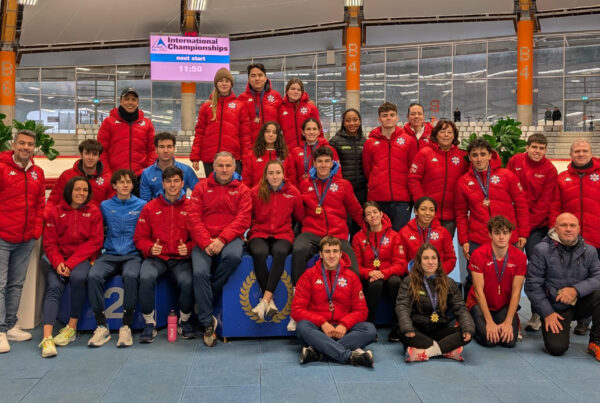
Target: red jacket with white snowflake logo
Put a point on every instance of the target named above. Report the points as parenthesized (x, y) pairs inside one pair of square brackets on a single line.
[(311, 302), (291, 117), (253, 167), (260, 112), (304, 160), (411, 240), (425, 140)]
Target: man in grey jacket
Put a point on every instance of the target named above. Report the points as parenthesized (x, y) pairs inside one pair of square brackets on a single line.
[(563, 284)]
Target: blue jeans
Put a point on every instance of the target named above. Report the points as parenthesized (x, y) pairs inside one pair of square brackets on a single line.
[(359, 336), (209, 283), (14, 261), (152, 269), (398, 212), (55, 285)]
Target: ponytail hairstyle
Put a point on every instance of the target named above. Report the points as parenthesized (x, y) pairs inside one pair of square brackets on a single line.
[(260, 146), (417, 274), (264, 191)]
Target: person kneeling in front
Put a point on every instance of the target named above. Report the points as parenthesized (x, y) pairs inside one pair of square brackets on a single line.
[(428, 301), (330, 310)]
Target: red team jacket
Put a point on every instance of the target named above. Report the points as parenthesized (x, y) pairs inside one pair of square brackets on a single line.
[(411, 241), (300, 158), (434, 173), (253, 167), (386, 163), (260, 112), (482, 262), (539, 182), (424, 141), (99, 182), (339, 202), (22, 194), (73, 236), (311, 303), (578, 192), (274, 218), (230, 131), (166, 222), (391, 255), (127, 146), (507, 198), (291, 117), (219, 211)]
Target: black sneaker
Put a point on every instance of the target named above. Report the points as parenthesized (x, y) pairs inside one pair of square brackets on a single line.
[(581, 329), (394, 335), (186, 330), (210, 337), (148, 334), (309, 354), (362, 358)]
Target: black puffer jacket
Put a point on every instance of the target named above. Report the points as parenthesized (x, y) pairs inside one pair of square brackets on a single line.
[(349, 149), (416, 316)]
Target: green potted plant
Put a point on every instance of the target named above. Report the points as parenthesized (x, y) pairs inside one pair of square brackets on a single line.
[(43, 142), (505, 139)]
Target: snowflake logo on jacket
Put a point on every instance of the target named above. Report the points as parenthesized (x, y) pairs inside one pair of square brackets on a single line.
[(342, 282), (385, 240), (435, 235), (304, 110), (232, 105), (99, 181), (271, 98), (414, 168), (400, 141), (334, 187), (455, 160), (34, 175), (495, 179), (143, 123), (594, 177)]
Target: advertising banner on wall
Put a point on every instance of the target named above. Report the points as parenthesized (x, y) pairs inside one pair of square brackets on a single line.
[(187, 58)]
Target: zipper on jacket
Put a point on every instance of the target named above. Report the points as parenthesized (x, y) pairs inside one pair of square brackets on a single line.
[(581, 201), (220, 127), (130, 141), (390, 167), (355, 181), (172, 222), (445, 184), (296, 123), (26, 205)]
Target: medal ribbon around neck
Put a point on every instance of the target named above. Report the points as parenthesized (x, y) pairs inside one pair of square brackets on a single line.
[(425, 240), (433, 297), (485, 189), (376, 261), (321, 197), (307, 157), (328, 291), (499, 275)]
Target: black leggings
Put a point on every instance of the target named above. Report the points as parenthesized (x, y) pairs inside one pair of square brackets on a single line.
[(260, 249), (448, 338), (499, 317)]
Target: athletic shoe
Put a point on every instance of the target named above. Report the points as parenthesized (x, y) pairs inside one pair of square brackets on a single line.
[(519, 335), (65, 336), (362, 358), (594, 349), (455, 354), (414, 354), (394, 335), (581, 329), (186, 330), (4, 345), (125, 338), (309, 354), (291, 326), (534, 323), (261, 308), (210, 337), (16, 334), (48, 347), (148, 334), (272, 309), (100, 337)]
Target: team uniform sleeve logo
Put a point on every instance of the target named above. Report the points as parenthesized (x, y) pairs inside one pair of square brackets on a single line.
[(414, 168)]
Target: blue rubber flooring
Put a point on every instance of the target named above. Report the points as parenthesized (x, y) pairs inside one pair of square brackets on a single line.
[(267, 370)]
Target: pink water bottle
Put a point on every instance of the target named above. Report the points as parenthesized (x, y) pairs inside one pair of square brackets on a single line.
[(172, 326)]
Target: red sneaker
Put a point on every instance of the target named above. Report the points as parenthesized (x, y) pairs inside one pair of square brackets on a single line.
[(455, 354), (594, 349), (415, 354)]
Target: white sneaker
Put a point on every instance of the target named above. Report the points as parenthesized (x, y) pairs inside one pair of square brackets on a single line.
[(534, 324), (125, 339), (261, 308), (16, 334), (272, 308), (100, 337), (4, 346), (291, 326), (48, 347)]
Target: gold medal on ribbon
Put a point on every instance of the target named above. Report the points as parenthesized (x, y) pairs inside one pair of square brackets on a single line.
[(376, 262), (435, 317), (486, 202), (257, 120), (318, 210)]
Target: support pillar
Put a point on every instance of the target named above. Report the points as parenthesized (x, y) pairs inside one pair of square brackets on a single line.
[(353, 43), (7, 85), (525, 71), (188, 106)]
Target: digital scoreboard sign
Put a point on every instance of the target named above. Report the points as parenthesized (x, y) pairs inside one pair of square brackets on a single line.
[(187, 58)]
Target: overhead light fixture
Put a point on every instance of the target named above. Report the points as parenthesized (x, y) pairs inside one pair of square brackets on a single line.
[(353, 3), (28, 2), (196, 5)]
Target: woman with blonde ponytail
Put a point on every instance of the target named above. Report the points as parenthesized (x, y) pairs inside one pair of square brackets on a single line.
[(222, 125)]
